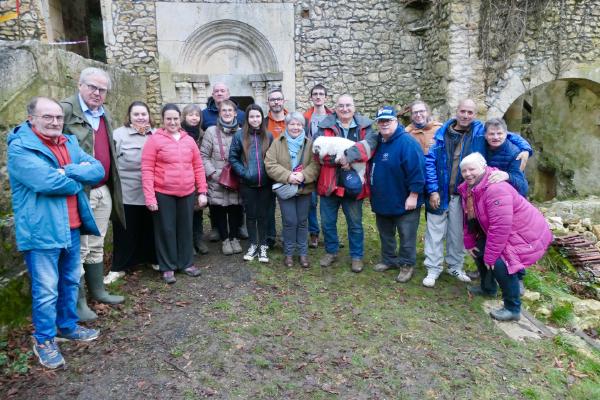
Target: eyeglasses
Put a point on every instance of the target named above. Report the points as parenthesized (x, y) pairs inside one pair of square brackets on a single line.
[(276, 100), (51, 118), (342, 106), (93, 89), (419, 112), (318, 94)]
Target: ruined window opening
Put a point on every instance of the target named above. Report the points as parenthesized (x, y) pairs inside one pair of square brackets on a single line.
[(243, 101), (82, 22)]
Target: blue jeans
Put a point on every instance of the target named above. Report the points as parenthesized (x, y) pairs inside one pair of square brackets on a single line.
[(313, 222), (54, 277), (509, 283), (353, 212), (407, 226)]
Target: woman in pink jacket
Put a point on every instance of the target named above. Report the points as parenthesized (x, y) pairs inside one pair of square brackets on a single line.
[(172, 175), (502, 229)]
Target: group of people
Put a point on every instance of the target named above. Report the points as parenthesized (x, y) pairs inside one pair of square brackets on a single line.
[(69, 172)]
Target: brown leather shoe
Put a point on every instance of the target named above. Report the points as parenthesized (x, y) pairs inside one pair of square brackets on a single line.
[(357, 265), (328, 259), (304, 263), (288, 261)]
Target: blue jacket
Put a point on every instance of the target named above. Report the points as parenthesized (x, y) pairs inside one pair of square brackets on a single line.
[(39, 191), (396, 170), (437, 175), (505, 159), (251, 171), (211, 113)]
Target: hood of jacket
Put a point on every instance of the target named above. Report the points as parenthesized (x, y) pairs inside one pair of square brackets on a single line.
[(361, 121)]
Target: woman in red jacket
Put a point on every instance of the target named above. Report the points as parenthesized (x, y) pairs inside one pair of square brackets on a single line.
[(503, 230), (172, 174)]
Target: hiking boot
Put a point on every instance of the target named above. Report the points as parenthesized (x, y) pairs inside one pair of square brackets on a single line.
[(357, 265), (192, 271), (213, 236), (251, 253), (113, 276), (79, 334), (503, 314), (304, 263), (313, 241), (478, 291), (235, 246), (521, 288), (460, 275), (328, 259), (201, 247), (406, 272), (226, 248), (48, 354), (288, 261), (262, 254), (169, 277), (430, 279), (381, 267)]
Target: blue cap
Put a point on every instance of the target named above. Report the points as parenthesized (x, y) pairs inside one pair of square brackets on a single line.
[(387, 112)]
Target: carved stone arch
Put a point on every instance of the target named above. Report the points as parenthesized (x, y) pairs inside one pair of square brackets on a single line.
[(216, 37)]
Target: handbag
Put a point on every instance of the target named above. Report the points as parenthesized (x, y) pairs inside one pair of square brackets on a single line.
[(228, 178)]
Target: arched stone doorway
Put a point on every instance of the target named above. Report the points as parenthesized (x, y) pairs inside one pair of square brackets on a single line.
[(248, 47)]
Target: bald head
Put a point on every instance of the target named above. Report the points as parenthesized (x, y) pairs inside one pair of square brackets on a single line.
[(465, 114)]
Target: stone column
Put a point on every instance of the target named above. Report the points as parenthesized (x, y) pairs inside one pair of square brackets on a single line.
[(201, 93), (183, 92), (259, 93)]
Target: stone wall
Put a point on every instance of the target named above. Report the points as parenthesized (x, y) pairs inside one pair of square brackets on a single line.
[(29, 25)]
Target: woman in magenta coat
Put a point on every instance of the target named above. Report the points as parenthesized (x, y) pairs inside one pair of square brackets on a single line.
[(502, 229)]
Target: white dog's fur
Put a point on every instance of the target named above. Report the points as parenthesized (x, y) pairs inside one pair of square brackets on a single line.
[(335, 146)]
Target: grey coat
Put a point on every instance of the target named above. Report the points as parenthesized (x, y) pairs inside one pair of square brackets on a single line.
[(129, 145)]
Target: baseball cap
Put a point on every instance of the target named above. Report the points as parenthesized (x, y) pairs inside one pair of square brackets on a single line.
[(387, 112)]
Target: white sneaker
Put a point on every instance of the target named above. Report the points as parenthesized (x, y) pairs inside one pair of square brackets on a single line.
[(235, 246), (251, 253), (226, 248), (156, 267), (113, 276), (460, 275), (262, 254), (430, 279)]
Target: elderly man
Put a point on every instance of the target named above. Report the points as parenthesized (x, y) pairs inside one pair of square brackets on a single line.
[(87, 119), (348, 124), (220, 93), (397, 182), (422, 127), (453, 142), (47, 171)]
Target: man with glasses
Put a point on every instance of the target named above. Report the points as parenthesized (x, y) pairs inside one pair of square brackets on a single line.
[(277, 113), (47, 172), (421, 126), (313, 116), (87, 118), (346, 123)]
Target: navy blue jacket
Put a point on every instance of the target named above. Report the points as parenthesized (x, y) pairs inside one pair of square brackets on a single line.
[(396, 171), (251, 171), (211, 113), (436, 170)]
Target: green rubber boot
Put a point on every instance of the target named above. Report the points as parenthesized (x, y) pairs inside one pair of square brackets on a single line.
[(84, 313), (94, 279)]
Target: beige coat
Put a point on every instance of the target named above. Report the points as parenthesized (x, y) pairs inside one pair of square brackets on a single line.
[(279, 164), (213, 164)]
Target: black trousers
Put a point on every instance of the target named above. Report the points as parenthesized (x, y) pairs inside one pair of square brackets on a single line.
[(134, 245), (228, 220), (198, 229), (173, 231), (257, 204)]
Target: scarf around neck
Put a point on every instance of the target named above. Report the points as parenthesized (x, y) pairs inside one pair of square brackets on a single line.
[(226, 128), (294, 147)]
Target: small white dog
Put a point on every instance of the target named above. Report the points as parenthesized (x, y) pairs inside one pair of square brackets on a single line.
[(335, 146)]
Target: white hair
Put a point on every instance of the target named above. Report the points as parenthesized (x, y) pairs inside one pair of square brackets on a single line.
[(474, 159), (90, 71)]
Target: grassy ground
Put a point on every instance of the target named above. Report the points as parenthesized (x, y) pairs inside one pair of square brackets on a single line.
[(255, 331)]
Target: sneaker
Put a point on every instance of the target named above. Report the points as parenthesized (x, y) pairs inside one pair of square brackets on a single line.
[(478, 291), (357, 265), (235, 246), (113, 276), (226, 248), (430, 279), (79, 334), (201, 247), (48, 354), (192, 271), (521, 288), (155, 267), (262, 254), (169, 277), (251, 253), (503, 314), (213, 236), (243, 232), (327, 260), (406, 272), (460, 275), (381, 267), (313, 241)]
